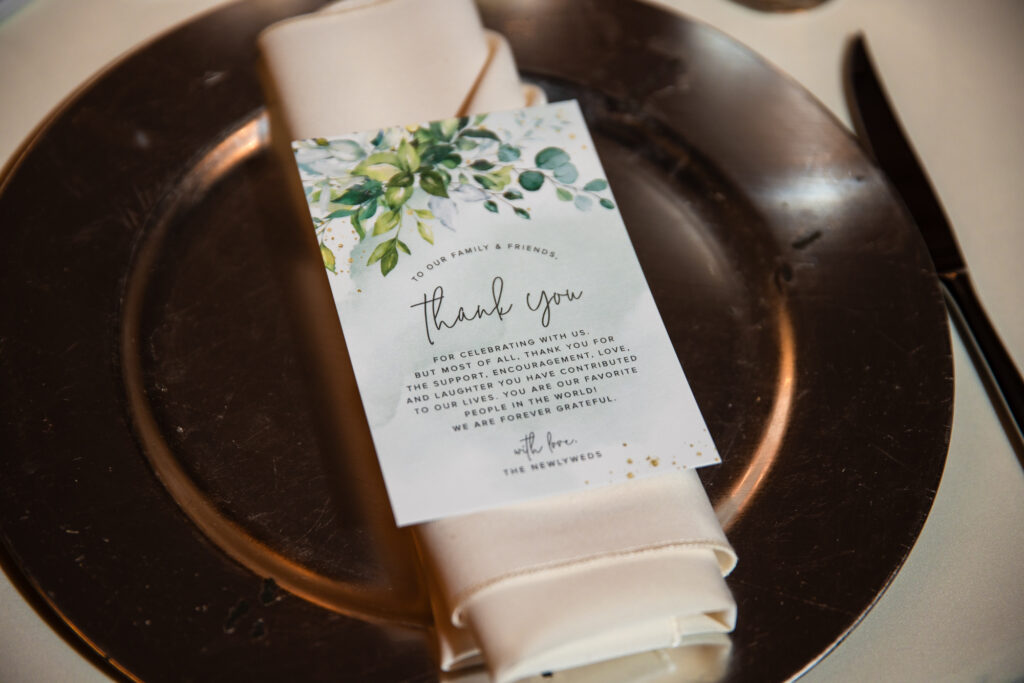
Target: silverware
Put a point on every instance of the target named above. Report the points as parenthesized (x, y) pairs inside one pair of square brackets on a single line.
[(883, 136)]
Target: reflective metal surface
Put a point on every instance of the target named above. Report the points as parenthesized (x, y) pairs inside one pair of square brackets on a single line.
[(182, 490)]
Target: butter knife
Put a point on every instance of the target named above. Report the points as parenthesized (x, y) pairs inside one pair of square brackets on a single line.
[(881, 133)]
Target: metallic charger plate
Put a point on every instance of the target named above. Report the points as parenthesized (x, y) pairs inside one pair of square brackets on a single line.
[(170, 493)]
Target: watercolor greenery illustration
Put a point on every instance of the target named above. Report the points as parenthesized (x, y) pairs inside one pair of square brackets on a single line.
[(416, 176)]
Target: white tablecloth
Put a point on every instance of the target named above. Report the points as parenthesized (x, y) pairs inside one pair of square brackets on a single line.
[(954, 71)]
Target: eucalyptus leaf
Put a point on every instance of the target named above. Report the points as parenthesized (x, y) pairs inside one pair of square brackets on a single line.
[(491, 206), (479, 133), (551, 158), (531, 180), (386, 222), (389, 261), (380, 158), (481, 165), (564, 194), (486, 181), (423, 136), (381, 249), (584, 203), (378, 172), (433, 183), (513, 195), (395, 197), (607, 203), (449, 127), (340, 213), (369, 208), (522, 213), (451, 161), (596, 185), (347, 150), (465, 144), (566, 173), (357, 225), (426, 232), (362, 192), (403, 179), (328, 257), (408, 157), (402, 246), (446, 210), (465, 192), (508, 153), (433, 154), (423, 213)]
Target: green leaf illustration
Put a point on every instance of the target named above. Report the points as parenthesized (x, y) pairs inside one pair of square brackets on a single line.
[(389, 261), (357, 225), (433, 183), (403, 179), (381, 158), (435, 153), (479, 133), (566, 173), (386, 221), (485, 181), (442, 131), (379, 251), (451, 161), (408, 157), (369, 208), (328, 257), (428, 157), (360, 193), (426, 232), (551, 158), (347, 150), (449, 128), (531, 180), (395, 197), (424, 136), (380, 166), (508, 153)]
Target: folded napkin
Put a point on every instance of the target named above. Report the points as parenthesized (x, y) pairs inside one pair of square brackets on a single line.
[(549, 585)]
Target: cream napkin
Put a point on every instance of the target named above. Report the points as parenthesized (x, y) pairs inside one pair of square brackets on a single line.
[(548, 585)]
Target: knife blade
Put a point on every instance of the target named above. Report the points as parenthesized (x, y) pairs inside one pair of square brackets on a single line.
[(880, 131)]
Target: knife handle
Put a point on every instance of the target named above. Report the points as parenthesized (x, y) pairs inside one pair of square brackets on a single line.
[(974, 322)]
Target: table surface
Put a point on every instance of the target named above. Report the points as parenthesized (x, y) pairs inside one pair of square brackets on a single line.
[(953, 70)]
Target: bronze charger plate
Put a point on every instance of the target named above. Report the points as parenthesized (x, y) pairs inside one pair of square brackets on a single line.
[(168, 496)]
